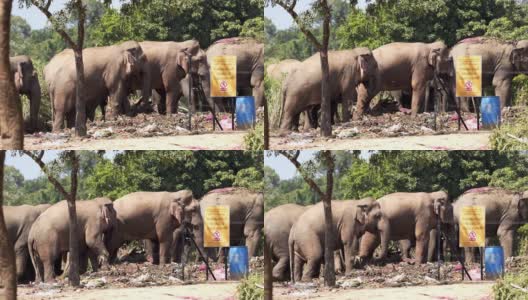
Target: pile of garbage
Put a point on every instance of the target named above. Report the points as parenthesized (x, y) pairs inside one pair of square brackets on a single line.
[(400, 123)]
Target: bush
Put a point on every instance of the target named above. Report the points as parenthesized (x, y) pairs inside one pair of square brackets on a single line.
[(254, 140), (503, 290), (273, 90), (507, 136), (248, 289), (520, 90)]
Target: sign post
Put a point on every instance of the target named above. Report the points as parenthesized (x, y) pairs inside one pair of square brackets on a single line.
[(468, 81), (223, 79), (216, 228), (473, 229)]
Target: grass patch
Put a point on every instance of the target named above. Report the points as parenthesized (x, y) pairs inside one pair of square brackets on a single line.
[(248, 289), (504, 289), (273, 91), (254, 139)]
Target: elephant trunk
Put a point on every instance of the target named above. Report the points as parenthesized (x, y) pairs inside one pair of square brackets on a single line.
[(34, 103)]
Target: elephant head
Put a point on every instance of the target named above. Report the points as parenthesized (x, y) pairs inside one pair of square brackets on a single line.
[(27, 83), (519, 56), (377, 223), (438, 57), (182, 204), (442, 207), (522, 205)]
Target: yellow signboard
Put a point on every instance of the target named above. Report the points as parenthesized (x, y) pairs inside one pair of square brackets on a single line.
[(472, 224), (223, 76), (216, 226), (468, 76)]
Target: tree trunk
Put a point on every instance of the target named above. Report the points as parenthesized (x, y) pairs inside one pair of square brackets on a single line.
[(7, 254), (268, 270), (73, 276), (11, 120), (326, 105), (80, 107), (329, 276)]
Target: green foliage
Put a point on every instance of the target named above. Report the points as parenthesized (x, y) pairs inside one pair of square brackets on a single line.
[(254, 139), (132, 171), (273, 94), (503, 289), (251, 288), (511, 136)]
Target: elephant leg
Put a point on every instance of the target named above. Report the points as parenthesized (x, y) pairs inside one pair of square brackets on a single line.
[(312, 268), (337, 262), (22, 255), (431, 251), (70, 119), (504, 91), (422, 243), (49, 269), (349, 96), (469, 255), (506, 238), (172, 101), (280, 270), (257, 83), (58, 119), (418, 95), (369, 243), (307, 121), (298, 268), (405, 248), (165, 243)]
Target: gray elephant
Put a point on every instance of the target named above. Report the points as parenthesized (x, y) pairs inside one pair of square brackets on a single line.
[(167, 64), (302, 88), (150, 215), (48, 238), (250, 65), (404, 66), (27, 83), (19, 220), (280, 70), (306, 242), (109, 72), (277, 224), (501, 62), (506, 211), (404, 216)]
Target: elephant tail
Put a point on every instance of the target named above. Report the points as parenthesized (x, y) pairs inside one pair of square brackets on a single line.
[(33, 254), (291, 250), (283, 102)]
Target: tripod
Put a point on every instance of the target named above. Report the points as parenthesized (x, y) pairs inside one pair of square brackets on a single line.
[(189, 237)]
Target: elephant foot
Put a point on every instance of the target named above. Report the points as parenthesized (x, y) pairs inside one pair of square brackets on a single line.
[(409, 261)]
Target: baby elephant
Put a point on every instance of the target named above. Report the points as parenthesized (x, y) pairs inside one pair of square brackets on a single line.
[(307, 236), (49, 237)]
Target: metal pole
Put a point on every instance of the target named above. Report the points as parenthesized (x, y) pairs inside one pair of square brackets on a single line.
[(478, 113), (189, 56), (481, 263), (233, 114), (438, 241), (225, 261), (214, 114), (459, 114)]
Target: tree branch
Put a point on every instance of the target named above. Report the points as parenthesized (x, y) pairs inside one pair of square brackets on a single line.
[(298, 166), (44, 168), (303, 29), (49, 15)]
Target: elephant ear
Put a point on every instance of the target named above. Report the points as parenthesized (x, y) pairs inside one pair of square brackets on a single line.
[(361, 214), (522, 205), (183, 61), (106, 214), (130, 61), (363, 65), (19, 77), (519, 53), (176, 211), (433, 57)]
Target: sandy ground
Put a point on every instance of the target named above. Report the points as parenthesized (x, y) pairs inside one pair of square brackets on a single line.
[(463, 291), (217, 291), (456, 141), (205, 141)]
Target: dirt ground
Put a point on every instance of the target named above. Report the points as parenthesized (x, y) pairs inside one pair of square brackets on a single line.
[(398, 131), (202, 291), (458, 141), (146, 132), (461, 291)]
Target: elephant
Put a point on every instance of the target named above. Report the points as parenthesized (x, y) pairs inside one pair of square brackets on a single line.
[(27, 83), (302, 88), (19, 220), (150, 215), (277, 224), (501, 62), (404, 216), (48, 238), (109, 72), (306, 242), (506, 211), (280, 70), (250, 65), (404, 66), (167, 64)]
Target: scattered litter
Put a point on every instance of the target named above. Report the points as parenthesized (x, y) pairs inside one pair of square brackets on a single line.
[(106, 132), (348, 133)]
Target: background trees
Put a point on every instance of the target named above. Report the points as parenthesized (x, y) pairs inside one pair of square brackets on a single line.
[(131, 171)]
